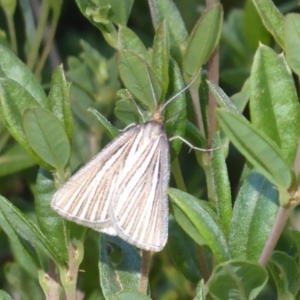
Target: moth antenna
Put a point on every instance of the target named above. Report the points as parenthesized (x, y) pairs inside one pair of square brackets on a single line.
[(180, 92), (136, 106)]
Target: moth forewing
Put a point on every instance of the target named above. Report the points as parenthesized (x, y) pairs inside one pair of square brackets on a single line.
[(123, 190)]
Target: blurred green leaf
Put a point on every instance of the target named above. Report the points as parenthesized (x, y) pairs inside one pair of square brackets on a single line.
[(200, 291), (59, 100), (254, 213), (5, 296), (273, 94), (292, 41), (237, 280), (20, 229), (258, 149), (272, 19), (183, 251), (129, 296), (119, 266), (14, 160), (205, 220), (47, 137), (203, 40)]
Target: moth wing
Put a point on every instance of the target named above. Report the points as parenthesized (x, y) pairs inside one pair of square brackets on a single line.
[(85, 197), (139, 210)]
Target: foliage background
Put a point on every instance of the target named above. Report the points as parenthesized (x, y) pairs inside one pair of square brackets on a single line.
[(235, 64)]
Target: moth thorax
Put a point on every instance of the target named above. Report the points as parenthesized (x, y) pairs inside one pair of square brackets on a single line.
[(157, 116), (153, 129)]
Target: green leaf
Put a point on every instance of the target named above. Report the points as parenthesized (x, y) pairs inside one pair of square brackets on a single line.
[(273, 94), (5, 296), (203, 40), (237, 280), (129, 296), (221, 184), (47, 137), (284, 271), (200, 291), (119, 265), (131, 42), (14, 159), (160, 56), (166, 10), (14, 99), (20, 229), (59, 100), (183, 252), (140, 79), (205, 221), (51, 224), (111, 130), (175, 112), (272, 19), (292, 41), (258, 149), (254, 213), (13, 68)]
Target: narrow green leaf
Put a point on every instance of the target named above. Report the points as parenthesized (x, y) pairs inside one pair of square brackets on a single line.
[(254, 213), (14, 223), (13, 68), (47, 137), (131, 42), (183, 251), (160, 56), (138, 77), (258, 149), (221, 184), (273, 94), (200, 291), (237, 280), (284, 271), (14, 99), (59, 100), (129, 296), (272, 19), (111, 130), (5, 296), (51, 224), (175, 112), (205, 220), (203, 40), (119, 266), (292, 41), (166, 10), (14, 159)]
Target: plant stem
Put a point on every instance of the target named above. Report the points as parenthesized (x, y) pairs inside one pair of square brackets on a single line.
[(281, 219), (145, 268), (176, 171), (12, 33), (48, 44), (50, 287), (39, 34)]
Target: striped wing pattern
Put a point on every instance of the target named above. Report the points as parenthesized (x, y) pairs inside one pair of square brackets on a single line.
[(123, 190)]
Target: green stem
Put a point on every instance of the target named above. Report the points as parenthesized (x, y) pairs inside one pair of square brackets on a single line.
[(48, 44), (12, 33), (32, 58), (50, 287), (176, 171), (145, 268)]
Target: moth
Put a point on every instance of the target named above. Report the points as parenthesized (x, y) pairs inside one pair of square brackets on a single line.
[(123, 189)]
